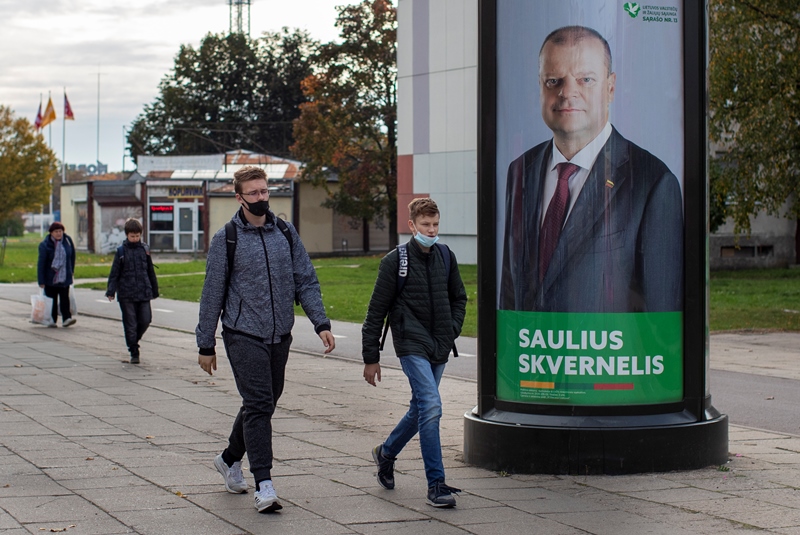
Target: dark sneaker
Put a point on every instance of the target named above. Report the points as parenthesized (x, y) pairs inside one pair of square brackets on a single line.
[(266, 499), (385, 467), (441, 495), (134, 359)]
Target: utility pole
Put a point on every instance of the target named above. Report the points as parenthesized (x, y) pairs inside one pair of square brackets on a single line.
[(98, 113)]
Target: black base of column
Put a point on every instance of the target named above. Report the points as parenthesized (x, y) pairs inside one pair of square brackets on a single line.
[(580, 450)]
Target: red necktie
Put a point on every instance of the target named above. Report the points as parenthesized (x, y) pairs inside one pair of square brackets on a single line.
[(554, 218)]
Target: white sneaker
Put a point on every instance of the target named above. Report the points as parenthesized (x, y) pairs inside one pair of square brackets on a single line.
[(70, 321), (234, 479), (266, 500)]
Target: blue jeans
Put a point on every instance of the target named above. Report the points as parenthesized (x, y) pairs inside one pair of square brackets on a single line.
[(424, 413)]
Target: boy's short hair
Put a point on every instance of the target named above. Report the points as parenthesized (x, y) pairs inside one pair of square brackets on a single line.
[(132, 226), (246, 174), (422, 207)]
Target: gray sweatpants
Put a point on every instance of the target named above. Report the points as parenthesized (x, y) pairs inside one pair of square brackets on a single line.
[(259, 369)]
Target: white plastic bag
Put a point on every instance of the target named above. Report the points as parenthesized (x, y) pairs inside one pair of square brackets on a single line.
[(73, 306), (41, 309)]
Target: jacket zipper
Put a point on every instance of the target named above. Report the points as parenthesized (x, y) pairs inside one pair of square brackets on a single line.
[(430, 298), (269, 280)]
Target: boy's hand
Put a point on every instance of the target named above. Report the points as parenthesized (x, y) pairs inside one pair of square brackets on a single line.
[(208, 363), (327, 340), (371, 372), (110, 297)]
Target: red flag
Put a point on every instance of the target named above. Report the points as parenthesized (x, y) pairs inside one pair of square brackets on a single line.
[(49, 114), (68, 115), (38, 122)]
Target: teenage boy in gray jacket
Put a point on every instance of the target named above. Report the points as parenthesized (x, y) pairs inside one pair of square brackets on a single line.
[(256, 303), (426, 317)]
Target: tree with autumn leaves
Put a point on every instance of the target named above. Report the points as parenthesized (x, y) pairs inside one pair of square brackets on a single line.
[(754, 96), (26, 165), (348, 125), (233, 92)]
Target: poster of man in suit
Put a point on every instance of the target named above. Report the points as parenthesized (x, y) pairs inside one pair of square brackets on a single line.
[(589, 201)]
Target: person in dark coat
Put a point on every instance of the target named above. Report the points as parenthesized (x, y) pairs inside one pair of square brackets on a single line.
[(133, 280), (426, 317), (55, 268)]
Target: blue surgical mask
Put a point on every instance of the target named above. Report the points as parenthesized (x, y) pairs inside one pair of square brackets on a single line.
[(425, 241)]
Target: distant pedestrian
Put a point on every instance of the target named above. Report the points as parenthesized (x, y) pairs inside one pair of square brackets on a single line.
[(55, 269), (256, 268), (426, 313), (133, 280)]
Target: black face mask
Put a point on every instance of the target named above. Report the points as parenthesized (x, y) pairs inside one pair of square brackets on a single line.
[(257, 208)]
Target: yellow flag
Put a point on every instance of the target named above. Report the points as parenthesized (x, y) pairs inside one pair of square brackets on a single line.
[(49, 114)]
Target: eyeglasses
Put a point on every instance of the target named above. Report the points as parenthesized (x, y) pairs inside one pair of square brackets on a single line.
[(256, 193)]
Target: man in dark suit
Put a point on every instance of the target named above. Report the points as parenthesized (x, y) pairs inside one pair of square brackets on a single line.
[(594, 223)]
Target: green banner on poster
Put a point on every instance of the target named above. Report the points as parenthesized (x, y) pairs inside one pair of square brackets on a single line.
[(590, 359)]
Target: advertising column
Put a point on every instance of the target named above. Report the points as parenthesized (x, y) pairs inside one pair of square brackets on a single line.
[(588, 169)]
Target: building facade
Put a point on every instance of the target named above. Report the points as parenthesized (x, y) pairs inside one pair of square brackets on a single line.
[(183, 200), (437, 128)]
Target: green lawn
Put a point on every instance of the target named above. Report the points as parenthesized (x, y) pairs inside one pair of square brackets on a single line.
[(755, 300), (740, 300)]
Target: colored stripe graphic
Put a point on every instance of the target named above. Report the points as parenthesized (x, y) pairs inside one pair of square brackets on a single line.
[(575, 386), (613, 386), (537, 384)]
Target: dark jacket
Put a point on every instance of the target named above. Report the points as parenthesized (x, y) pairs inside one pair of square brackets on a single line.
[(47, 251), (621, 248), (266, 276), (426, 317), (132, 275)]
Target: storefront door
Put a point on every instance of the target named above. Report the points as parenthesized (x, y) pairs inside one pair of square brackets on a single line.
[(189, 230)]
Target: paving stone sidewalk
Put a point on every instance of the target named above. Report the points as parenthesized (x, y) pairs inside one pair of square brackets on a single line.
[(90, 444)]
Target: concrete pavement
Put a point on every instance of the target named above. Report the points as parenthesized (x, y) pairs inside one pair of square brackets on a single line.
[(92, 444)]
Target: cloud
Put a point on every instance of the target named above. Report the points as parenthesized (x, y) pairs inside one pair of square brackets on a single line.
[(46, 45)]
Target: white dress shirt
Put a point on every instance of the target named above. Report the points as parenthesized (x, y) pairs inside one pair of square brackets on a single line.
[(584, 159)]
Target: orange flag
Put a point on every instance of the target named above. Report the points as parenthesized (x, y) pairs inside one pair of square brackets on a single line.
[(68, 115), (49, 113), (38, 122)]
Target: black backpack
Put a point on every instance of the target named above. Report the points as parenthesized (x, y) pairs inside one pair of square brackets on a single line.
[(402, 273), (121, 251)]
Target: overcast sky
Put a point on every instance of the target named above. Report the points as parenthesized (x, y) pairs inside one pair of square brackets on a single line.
[(46, 45)]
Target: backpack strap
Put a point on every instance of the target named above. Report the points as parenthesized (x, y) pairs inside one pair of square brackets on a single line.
[(402, 274), (447, 256), (286, 233), (121, 252), (230, 249)]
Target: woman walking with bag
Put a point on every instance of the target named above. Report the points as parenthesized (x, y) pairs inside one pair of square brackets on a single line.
[(56, 266)]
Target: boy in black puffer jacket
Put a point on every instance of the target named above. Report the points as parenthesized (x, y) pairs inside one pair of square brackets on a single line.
[(425, 318), (133, 280)]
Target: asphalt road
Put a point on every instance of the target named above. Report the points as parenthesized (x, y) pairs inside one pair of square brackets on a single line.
[(757, 401)]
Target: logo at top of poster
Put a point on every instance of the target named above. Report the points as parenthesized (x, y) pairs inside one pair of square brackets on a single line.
[(632, 8)]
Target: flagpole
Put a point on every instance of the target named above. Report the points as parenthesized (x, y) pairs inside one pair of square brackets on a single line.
[(50, 143), (41, 206), (64, 141), (98, 114)]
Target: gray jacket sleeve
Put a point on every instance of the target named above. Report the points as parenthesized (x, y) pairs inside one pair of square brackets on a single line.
[(213, 293), (306, 285)]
